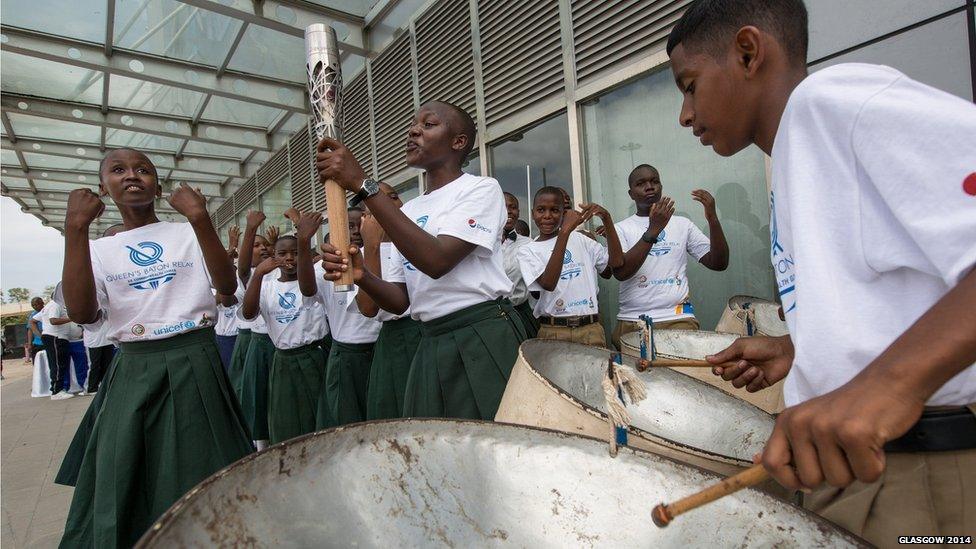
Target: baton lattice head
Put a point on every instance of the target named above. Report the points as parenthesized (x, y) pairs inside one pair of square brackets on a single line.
[(325, 95)]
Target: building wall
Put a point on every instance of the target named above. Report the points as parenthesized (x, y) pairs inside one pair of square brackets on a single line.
[(575, 93)]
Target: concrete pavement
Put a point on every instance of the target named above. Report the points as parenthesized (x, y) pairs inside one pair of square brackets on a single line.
[(34, 434)]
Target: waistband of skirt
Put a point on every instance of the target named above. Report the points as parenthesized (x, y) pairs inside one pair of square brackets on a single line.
[(352, 347), (186, 339), (497, 308), (260, 336), (301, 349), (242, 331), (400, 323)]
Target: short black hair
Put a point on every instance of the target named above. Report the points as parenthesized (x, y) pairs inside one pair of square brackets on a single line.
[(513, 197), (467, 126), (633, 173), (707, 25), (521, 227), (549, 189), (101, 163), (286, 237)]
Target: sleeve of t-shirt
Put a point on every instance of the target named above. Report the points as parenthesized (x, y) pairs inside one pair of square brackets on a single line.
[(624, 236), (698, 244), (478, 216), (396, 273), (196, 245), (916, 144), (101, 293), (532, 265), (598, 253)]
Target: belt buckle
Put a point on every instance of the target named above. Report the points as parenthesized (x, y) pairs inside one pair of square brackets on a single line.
[(574, 322)]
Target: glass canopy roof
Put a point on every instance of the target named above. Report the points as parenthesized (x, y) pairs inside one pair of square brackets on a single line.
[(205, 87)]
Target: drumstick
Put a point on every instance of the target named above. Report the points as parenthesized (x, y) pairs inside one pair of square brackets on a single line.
[(663, 513), (643, 363)]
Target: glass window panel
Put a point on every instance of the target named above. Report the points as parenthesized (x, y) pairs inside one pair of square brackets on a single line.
[(354, 7), (532, 159), (46, 128), (129, 93), (472, 165), (199, 147), (70, 18), (32, 76), (637, 124), (174, 29), (351, 67), (40, 161), (275, 201), (936, 54), (125, 138), (409, 189), (839, 24), (194, 176), (295, 122), (16, 182), (55, 186), (222, 109), (382, 32), (9, 158), (270, 53)]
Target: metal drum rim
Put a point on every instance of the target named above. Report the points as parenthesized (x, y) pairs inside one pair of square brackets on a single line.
[(631, 429), (170, 515)]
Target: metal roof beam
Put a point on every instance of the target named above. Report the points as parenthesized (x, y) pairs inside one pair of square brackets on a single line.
[(234, 135), (201, 164), (311, 10), (379, 11), (161, 70), (109, 27)]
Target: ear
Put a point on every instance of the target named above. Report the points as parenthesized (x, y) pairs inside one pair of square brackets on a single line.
[(102, 191), (460, 142), (159, 189), (750, 50)]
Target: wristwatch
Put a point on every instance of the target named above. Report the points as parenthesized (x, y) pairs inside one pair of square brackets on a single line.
[(646, 237), (368, 189)]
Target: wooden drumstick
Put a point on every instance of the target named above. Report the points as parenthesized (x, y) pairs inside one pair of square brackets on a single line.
[(664, 513), (643, 363)]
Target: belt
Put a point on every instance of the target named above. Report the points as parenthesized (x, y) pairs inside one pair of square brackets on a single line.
[(569, 321), (938, 431)]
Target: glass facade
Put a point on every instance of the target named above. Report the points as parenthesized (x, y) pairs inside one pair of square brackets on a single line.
[(531, 159), (275, 201), (637, 124)]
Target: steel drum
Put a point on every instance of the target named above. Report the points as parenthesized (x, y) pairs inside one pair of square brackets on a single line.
[(747, 315), (447, 483), (556, 384), (696, 345)]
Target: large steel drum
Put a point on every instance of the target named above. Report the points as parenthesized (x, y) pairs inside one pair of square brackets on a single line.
[(747, 315), (696, 345), (445, 483), (556, 385)]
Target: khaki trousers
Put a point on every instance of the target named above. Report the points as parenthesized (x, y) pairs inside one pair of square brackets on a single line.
[(591, 334), (920, 494), (627, 326)]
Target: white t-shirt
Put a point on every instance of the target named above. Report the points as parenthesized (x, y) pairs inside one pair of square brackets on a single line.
[(510, 248), (472, 209), (577, 289), (96, 337), (73, 332), (872, 219), (292, 319), (386, 266), (52, 310), (348, 325), (227, 319), (659, 288), (152, 283), (256, 324)]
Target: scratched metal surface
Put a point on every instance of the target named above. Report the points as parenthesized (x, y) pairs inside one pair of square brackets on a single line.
[(678, 408), (450, 483)]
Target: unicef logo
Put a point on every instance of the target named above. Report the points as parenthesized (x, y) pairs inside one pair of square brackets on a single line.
[(422, 221), (148, 254), (287, 301), (567, 258)]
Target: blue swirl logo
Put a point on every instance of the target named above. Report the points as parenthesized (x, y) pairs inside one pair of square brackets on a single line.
[(148, 254), (422, 221), (567, 258), (287, 300)]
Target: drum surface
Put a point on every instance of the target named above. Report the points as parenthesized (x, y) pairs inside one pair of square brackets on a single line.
[(445, 483)]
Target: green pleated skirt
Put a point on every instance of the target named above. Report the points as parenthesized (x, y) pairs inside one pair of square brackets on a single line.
[(463, 362), (343, 398), (71, 464), (326, 345), (296, 381), (168, 421), (237, 359), (529, 320), (392, 355), (254, 384)]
